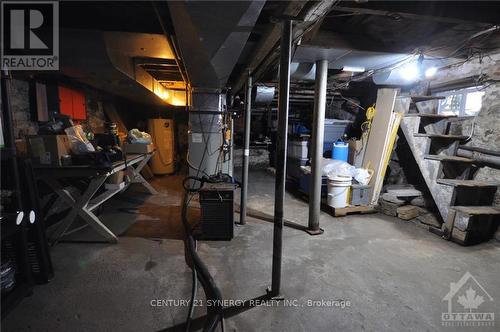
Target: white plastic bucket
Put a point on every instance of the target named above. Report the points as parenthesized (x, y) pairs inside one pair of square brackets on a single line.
[(338, 191)]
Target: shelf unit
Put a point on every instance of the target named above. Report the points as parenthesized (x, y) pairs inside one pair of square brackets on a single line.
[(24, 244)]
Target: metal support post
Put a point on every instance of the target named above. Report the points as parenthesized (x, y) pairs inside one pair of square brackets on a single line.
[(246, 151), (317, 147), (281, 146)]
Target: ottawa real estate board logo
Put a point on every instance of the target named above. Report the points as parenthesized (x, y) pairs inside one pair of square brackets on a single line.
[(30, 35), (469, 304)]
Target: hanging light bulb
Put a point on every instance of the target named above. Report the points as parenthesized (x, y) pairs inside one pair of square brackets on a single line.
[(430, 72), (409, 72)]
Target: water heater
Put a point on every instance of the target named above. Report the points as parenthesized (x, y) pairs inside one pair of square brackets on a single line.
[(162, 134)]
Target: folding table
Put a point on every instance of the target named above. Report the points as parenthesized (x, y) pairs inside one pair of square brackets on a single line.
[(83, 205)]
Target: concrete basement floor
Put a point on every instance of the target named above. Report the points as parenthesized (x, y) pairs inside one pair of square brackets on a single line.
[(393, 273)]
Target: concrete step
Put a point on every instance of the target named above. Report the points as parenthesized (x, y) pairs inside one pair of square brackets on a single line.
[(452, 137), (477, 210), (466, 183), (448, 158)]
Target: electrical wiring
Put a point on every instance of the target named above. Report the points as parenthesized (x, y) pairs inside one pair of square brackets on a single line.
[(488, 32), (199, 270), (485, 33), (192, 166), (351, 102), (366, 126), (473, 125)]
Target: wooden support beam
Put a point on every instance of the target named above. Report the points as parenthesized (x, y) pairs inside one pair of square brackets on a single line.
[(414, 16), (267, 52), (267, 43)]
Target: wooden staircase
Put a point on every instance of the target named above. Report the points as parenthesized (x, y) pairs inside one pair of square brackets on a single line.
[(464, 204)]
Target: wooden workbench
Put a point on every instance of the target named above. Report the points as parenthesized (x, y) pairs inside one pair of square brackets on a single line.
[(83, 205)]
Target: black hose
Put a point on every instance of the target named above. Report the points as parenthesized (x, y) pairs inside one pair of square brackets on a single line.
[(212, 293), (191, 303)]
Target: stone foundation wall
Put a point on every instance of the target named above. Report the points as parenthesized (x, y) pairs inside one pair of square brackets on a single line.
[(25, 122), (259, 158), (21, 114), (487, 123)]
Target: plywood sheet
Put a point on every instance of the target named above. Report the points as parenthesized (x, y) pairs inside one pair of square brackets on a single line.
[(380, 132)]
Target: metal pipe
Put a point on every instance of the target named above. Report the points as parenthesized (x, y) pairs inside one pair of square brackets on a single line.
[(478, 149), (317, 146), (246, 151), (490, 160), (281, 146)]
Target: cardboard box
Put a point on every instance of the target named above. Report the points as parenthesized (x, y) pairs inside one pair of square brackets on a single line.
[(131, 148), (356, 153), (48, 149)]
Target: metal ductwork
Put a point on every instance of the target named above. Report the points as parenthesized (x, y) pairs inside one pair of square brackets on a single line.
[(211, 36), (302, 71), (115, 62), (263, 95)]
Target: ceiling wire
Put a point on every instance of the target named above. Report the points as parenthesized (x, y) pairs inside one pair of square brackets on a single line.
[(485, 33)]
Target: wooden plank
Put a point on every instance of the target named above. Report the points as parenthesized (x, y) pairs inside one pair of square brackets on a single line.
[(342, 212), (455, 137), (42, 109), (266, 43), (477, 210), (417, 99), (448, 158), (465, 183), (429, 115), (379, 136), (405, 192), (459, 236)]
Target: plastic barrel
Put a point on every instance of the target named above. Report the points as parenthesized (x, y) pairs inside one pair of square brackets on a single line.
[(340, 150), (338, 191)]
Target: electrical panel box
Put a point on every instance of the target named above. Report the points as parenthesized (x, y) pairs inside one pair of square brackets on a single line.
[(217, 211), (72, 103)]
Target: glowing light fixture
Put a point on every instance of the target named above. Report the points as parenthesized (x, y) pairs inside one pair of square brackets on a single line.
[(163, 94), (430, 72), (353, 69), (409, 72)]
